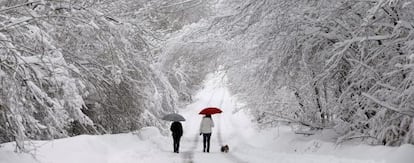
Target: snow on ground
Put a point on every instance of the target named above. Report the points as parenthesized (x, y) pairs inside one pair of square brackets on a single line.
[(247, 144)]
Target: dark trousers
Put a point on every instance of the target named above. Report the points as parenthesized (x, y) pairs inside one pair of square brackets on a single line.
[(206, 142), (176, 143)]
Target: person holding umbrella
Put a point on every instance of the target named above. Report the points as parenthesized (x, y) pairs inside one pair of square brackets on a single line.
[(205, 130), (176, 129), (206, 125)]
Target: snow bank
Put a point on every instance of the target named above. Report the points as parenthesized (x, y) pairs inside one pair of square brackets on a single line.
[(142, 146), (283, 140)]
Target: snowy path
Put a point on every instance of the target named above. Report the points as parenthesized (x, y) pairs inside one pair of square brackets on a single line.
[(233, 128), (228, 126)]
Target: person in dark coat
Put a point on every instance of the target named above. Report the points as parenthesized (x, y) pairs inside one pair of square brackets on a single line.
[(177, 132)]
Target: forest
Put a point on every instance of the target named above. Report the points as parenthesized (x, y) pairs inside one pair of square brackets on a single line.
[(72, 67)]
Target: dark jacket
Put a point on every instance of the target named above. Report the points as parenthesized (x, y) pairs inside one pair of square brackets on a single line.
[(176, 129)]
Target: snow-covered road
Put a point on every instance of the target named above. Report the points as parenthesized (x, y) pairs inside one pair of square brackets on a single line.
[(233, 127)]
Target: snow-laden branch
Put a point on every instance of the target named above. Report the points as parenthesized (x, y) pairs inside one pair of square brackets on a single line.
[(295, 121), (179, 3), (364, 65), (22, 20), (16, 6), (385, 105)]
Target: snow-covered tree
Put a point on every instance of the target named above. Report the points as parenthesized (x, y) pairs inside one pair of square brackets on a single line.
[(39, 96), (346, 64), (72, 67)]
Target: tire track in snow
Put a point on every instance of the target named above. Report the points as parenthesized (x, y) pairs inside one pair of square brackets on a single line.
[(229, 156), (188, 156)]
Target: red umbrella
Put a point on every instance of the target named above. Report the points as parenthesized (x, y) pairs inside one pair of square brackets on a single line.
[(210, 110)]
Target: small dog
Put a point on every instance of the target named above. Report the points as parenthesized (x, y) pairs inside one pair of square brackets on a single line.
[(225, 148)]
